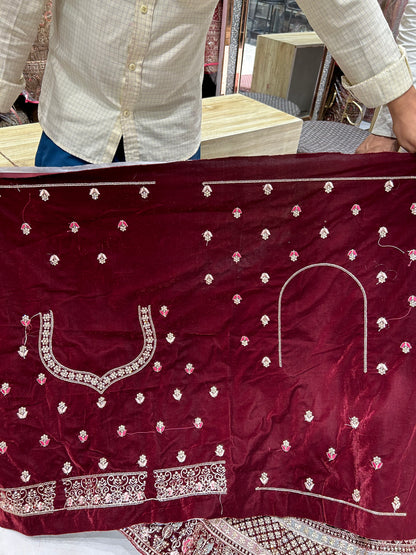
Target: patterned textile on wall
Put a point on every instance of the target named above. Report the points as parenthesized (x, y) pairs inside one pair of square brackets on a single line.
[(203, 340), (212, 44)]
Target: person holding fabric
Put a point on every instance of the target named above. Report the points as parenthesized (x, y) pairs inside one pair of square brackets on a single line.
[(125, 83), (382, 138)]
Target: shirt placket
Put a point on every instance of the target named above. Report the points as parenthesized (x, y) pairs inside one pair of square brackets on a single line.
[(130, 94)]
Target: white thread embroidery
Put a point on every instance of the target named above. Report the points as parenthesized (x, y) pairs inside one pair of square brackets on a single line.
[(296, 211), (3, 447), (54, 260), (267, 189), (140, 398), (105, 490), (286, 447), (309, 484), (396, 504), (356, 495), (237, 299), (381, 277), (354, 422), (62, 408), (328, 187), (324, 233), (189, 368), (122, 225), (170, 338), (177, 394), (164, 311), (74, 227), (331, 454), (181, 456), (413, 208), (207, 235), (198, 423), (22, 351), (41, 379), (89, 379), (144, 192), (356, 209), (237, 212), (94, 193), (102, 259), (412, 255), (265, 277), (264, 478), (25, 320), (44, 440), (29, 500), (266, 362), (219, 451), (383, 231), (22, 413), (265, 319), (44, 195), (236, 257), (308, 416), (26, 229), (382, 368), (206, 191), (25, 476), (5, 389), (209, 279), (189, 481), (352, 254), (405, 347), (160, 427), (412, 300), (388, 186), (294, 255), (157, 367), (101, 402), (103, 463), (83, 436), (213, 392), (376, 463), (244, 341), (121, 430), (67, 468), (382, 323), (265, 234), (142, 462)]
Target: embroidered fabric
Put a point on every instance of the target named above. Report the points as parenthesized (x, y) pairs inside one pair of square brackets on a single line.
[(269, 389)]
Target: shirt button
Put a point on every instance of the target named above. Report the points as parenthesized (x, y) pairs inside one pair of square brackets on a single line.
[(143, 9), (126, 113), (132, 67)]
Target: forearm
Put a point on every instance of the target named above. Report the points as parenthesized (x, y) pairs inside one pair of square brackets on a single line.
[(19, 21)]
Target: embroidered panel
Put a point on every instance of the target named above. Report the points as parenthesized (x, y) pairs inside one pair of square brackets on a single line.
[(29, 500), (272, 369), (204, 479)]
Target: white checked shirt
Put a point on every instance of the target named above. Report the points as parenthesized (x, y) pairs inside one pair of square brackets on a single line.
[(133, 68)]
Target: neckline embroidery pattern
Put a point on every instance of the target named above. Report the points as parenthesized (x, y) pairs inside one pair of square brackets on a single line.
[(89, 379)]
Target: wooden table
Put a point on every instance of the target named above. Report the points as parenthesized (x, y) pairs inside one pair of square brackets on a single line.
[(232, 125)]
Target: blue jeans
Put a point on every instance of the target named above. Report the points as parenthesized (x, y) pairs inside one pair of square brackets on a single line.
[(51, 155)]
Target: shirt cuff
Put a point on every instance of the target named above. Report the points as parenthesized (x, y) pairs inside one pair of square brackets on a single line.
[(9, 92), (384, 87)]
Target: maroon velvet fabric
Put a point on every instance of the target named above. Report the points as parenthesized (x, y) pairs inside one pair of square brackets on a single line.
[(238, 440)]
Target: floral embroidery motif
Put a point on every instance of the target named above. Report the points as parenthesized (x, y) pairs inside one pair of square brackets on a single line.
[(22, 351), (44, 195), (294, 255), (83, 436), (144, 192), (181, 456), (388, 186), (3, 447), (383, 231), (356, 495), (265, 234), (209, 279), (412, 255), (381, 277), (41, 379), (324, 232), (170, 338), (382, 323), (22, 413), (67, 468), (74, 227), (412, 300), (331, 454), (177, 394), (54, 260), (265, 277), (142, 462), (140, 398), (354, 422), (356, 209), (164, 311), (309, 484), (376, 463), (286, 447), (101, 403), (308, 416), (103, 463), (382, 368), (207, 235), (206, 190), (413, 208), (122, 225), (198, 423), (187, 481), (121, 431), (244, 341), (236, 257), (90, 379), (25, 476), (189, 368), (406, 347), (237, 299), (94, 193), (296, 210), (237, 212), (213, 392), (157, 367), (264, 319), (352, 254), (396, 504), (29, 500), (102, 259), (105, 490), (160, 427), (62, 408), (25, 321), (264, 478), (267, 189), (328, 187), (219, 451), (5, 388), (26, 229), (266, 362), (44, 440)]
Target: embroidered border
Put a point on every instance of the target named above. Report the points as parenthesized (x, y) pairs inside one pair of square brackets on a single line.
[(90, 379), (187, 481), (323, 264), (326, 498), (29, 500), (105, 490)]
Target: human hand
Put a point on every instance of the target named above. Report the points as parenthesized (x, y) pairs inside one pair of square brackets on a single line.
[(377, 143), (403, 112)]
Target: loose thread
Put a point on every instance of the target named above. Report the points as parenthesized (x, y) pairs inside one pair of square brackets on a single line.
[(25, 206), (389, 246), (405, 316), (8, 159)]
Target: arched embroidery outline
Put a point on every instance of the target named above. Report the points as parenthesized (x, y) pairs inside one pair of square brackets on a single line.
[(89, 379), (318, 265)]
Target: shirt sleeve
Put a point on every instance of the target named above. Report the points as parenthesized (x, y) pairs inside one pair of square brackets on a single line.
[(358, 37), (19, 20), (406, 38)]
